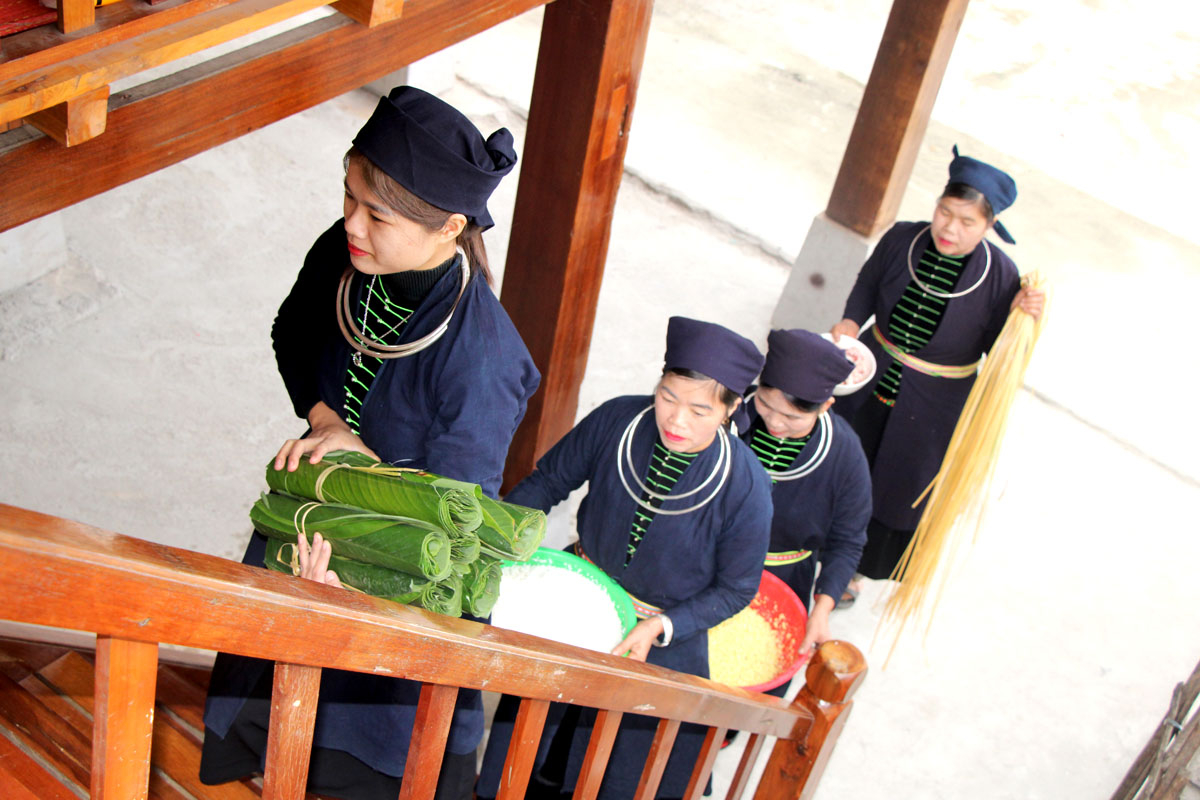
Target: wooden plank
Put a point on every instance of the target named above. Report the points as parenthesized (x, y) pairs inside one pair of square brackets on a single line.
[(741, 777), (64, 80), (704, 763), (181, 696), (656, 760), (894, 113), (595, 760), (289, 740), (75, 121), (585, 86), (65, 574), (176, 753), (431, 728), (44, 731), (165, 122), (522, 749), (371, 12), (43, 46), (75, 15), (123, 718), (22, 778)]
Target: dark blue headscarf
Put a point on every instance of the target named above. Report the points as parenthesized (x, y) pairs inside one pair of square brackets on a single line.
[(804, 364), (428, 147), (729, 358), (997, 186)]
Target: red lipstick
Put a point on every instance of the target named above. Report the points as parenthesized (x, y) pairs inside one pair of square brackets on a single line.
[(354, 251)]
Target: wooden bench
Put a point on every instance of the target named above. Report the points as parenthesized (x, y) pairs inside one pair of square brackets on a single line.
[(135, 594)]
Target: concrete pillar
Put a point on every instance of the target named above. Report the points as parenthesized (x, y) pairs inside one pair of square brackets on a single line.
[(822, 276), (434, 73)]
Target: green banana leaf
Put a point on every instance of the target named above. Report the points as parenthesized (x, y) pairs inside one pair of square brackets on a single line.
[(400, 587), (510, 531), (354, 479), (367, 578), (481, 586), (444, 597), (464, 547), (409, 545)]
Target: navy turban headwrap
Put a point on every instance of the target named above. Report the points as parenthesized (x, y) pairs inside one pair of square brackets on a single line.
[(804, 365), (728, 358), (429, 147), (997, 186)]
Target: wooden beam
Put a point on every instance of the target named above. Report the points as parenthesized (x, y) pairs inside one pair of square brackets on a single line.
[(589, 62), (894, 113), (595, 759), (75, 121), (159, 124), (123, 718)]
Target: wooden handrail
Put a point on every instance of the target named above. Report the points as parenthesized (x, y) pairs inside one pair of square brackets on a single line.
[(69, 575)]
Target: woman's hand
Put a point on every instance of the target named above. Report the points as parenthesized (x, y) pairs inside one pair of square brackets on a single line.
[(314, 563), (329, 432), (640, 639), (1031, 301), (817, 631), (846, 327)]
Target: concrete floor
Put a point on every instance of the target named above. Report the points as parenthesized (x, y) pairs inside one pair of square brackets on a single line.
[(139, 392)]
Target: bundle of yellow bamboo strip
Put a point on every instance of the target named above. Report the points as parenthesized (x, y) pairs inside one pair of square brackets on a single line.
[(958, 493)]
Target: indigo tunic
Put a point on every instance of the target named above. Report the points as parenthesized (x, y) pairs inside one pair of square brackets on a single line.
[(451, 409), (919, 426), (699, 568), (825, 511)]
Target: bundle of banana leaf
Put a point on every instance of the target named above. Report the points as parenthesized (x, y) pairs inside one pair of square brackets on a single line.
[(399, 543), (354, 479), (405, 535)]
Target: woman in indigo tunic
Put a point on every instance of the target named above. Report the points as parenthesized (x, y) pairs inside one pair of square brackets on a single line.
[(821, 485), (678, 512), (390, 343), (940, 293)]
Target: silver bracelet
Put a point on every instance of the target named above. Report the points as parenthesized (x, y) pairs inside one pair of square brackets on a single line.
[(667, 634)]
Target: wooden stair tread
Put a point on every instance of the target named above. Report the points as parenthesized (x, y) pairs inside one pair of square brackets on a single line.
[(46, 704)]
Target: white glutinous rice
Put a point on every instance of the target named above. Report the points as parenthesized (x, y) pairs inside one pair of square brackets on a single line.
[(557, 604)]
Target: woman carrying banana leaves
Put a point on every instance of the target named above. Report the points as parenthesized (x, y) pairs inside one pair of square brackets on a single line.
[(392, 344), (821, 486), (678, 513)]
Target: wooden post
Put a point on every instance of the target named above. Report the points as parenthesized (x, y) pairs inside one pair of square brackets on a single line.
[(795, 765), (289, 738), (584, 89), (522, 750), (894, 113), (123, 718)]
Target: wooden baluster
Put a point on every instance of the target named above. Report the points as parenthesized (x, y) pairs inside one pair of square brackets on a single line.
[(741, 778), (704, 764), (289, 740), (832, 678), (430, 731), (123, 718), (656, 761), (522, 750), (604, 732)]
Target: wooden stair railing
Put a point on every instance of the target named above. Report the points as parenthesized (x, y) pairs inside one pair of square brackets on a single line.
[(134, 594)]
